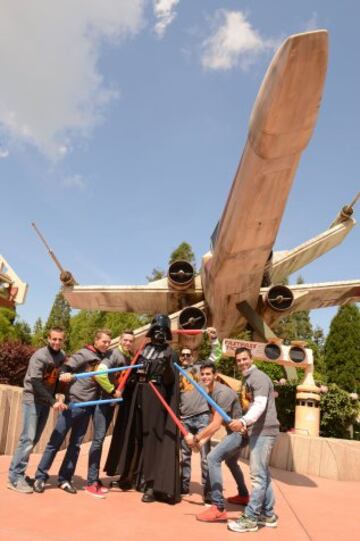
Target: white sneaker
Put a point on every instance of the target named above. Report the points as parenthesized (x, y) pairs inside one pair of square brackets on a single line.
[(20, 486)]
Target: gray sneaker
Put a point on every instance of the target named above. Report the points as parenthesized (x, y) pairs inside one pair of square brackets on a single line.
[(20, 486), (243, 524), (270, 522)]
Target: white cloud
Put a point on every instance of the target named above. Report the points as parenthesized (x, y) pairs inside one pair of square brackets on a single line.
[(234, 42), (312, 23), (165, 13), (75, 181), (51, 89), (4, 153)]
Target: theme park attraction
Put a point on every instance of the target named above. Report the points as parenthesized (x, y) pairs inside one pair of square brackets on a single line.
[(240, 281)]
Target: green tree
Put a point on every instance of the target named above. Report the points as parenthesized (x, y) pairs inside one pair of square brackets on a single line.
[(38, 339), (338, 412), (22, 332), (7, 330), (83, 326), (342, 349), (183, 252), (13, 330), (118, 322), (59, 316), (156, 274)]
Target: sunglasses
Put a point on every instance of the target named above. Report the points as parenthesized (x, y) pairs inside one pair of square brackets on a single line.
[(185, 355)]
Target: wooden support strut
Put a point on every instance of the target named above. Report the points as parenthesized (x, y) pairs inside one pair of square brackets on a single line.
[(262, 329)]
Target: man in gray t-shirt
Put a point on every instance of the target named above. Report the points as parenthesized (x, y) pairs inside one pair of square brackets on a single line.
[(38, 397), (227, 450), (261, 423), (195, 414)]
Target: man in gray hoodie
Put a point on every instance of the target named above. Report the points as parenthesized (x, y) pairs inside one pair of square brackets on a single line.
[(74, 419), (40, 385)]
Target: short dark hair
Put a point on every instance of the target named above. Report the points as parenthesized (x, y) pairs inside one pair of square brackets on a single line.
[(55, 328), (208, 364), (242, 350), (99, 332), (128, 331)]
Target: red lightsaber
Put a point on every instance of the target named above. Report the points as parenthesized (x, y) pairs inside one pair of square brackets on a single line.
[(188, 331), (177, 421), (125, 375)]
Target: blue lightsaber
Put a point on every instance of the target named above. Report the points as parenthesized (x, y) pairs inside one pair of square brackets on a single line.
[(83, 375), (74, 405), (210, 400)]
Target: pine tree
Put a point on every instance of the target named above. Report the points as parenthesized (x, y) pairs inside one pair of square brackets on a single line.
[(342, 349), (183, 252), (156, 274), (59, 316), (37, 339)]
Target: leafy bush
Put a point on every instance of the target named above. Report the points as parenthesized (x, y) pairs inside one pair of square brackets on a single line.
[(285, 405), (338, 412), (14, 359)]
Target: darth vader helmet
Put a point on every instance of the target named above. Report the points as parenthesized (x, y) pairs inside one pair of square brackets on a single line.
[(160, 328)]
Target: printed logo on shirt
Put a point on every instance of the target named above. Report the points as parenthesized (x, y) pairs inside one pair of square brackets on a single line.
[(246, 397), (185, 385), (51, 375)]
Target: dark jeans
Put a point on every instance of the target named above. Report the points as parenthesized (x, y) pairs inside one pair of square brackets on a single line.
[(194, 425), (77, 421), (227, 450), (34, 421), (101, 420)]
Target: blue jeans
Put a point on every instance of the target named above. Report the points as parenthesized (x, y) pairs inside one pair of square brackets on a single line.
[(194, 425), (77, 420), (262, 499), (34, 421), (101, 420), (228, 450)]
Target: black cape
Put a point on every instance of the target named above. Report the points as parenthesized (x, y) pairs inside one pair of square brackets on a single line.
[(145, 443)]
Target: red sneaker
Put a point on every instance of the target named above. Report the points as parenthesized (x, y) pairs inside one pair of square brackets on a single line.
[(94, 491), (212, 514), (101, 488), (238, 500)]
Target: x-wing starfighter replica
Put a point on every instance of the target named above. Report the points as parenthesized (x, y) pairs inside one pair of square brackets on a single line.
[(240, 277)]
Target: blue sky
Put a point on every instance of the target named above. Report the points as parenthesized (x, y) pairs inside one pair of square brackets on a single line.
[(122, 125)]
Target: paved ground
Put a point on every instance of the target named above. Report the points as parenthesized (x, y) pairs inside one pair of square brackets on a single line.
[(309, 508)]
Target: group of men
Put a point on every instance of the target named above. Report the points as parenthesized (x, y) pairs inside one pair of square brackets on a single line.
[(146, 451)]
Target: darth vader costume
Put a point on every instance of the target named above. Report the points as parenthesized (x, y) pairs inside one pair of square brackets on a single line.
[(144, 450)]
